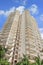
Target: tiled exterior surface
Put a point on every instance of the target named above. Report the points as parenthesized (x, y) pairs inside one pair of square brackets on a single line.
[(41, 54), (21, 36)]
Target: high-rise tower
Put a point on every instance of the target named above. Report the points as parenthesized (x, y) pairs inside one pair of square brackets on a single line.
[(21, 36)]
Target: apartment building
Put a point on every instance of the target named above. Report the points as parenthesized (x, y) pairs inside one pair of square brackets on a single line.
[(20, 35), (41, 54)]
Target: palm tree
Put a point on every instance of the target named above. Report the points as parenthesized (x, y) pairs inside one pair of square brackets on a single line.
[(42, 62), (24, 61), (19, 63), (38, 61)]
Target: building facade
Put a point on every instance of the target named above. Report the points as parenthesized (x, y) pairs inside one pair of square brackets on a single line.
[(21, 36), (41, 54)]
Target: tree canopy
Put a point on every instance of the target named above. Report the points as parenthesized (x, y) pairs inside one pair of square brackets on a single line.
[(2, 53)]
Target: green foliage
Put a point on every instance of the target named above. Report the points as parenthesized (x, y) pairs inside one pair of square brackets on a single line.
[(2, 53), (19, 63), (42, 62), (4, 62), (33, 64), (24, 61), (38, 61)]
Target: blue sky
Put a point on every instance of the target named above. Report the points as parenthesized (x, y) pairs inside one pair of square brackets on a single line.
[(35, 7)]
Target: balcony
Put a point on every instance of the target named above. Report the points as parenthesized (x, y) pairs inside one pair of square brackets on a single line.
[(33, 55), (16, 56), (11, 49), (10, 60)]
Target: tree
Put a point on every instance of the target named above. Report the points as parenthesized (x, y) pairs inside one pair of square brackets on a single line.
[(2, 54), (38, 61), (4, 62), (42, 62), (24, 61)]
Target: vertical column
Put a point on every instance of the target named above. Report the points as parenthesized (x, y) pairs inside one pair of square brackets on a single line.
[(10, 43), (37, 37), (16, 52), (26, 34), (6, 29), (30, 37), (22, 36)]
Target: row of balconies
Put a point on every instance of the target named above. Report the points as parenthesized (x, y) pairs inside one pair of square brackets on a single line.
[(16, 52)]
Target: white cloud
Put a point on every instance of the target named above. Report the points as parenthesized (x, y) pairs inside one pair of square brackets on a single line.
[(9, 11), (41, 17), (1, 12), (21, 9), (34, 9), (24, 2), (41, 31), (6, 13), (42, 35)]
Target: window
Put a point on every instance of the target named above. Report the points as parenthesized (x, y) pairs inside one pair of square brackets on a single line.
[(15, 56), (15, 61)]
